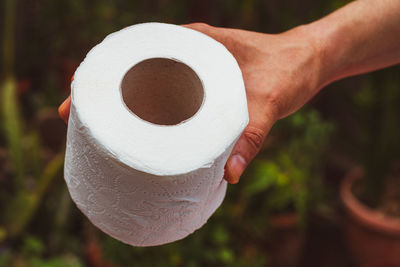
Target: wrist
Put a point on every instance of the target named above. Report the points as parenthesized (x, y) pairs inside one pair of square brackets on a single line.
[(323, 68), (321, 38)]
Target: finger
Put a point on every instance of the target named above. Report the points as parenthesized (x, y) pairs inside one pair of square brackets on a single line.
[(214, 32), (64, 109), (245, 149)]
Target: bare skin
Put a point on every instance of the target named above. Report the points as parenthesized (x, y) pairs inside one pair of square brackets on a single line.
[(283, 71)]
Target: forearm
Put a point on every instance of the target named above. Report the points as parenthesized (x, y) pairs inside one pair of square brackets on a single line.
[(360, 37)]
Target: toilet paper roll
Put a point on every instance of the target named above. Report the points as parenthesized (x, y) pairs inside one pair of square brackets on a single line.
[(155, 112)]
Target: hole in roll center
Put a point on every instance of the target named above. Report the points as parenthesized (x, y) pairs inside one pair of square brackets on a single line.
[(162, 91)]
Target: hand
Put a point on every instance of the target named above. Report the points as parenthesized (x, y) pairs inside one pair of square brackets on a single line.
[(281, 73)]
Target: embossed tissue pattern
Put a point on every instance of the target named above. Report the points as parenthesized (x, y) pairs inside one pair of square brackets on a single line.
[(138, 208)]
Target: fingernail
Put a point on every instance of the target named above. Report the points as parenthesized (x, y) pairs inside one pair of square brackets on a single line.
[(235, 167)]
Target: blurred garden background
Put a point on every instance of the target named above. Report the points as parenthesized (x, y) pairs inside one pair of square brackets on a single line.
[(286, 211)]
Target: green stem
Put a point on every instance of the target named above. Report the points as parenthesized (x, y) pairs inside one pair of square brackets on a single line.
[(24, 205), (12, 128), (10, 110), (50, 171)]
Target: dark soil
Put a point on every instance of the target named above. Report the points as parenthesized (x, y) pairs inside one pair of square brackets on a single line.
[(390, 203), (389, 199)]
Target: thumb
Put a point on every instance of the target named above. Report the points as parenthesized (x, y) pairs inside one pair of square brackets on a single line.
[(245, 149), (64, 109)]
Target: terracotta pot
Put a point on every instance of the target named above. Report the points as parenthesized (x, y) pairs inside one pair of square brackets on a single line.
[(373, 238), (287, 241)]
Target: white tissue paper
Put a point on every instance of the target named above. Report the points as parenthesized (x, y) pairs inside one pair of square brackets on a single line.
[(156, 109)]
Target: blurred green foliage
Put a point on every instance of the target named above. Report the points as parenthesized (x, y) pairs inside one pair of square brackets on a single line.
[(22, 199), (39, 225), (32, 251), (287, 177)]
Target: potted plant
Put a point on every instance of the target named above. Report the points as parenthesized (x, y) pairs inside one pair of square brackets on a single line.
[(371, 192), (284, 184)]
